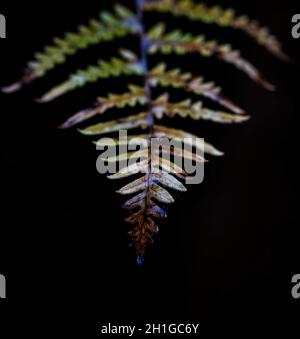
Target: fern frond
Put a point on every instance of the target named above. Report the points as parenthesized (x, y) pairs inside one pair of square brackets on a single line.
[(183, 43), (222, 17), (161, 176), (108, 27)]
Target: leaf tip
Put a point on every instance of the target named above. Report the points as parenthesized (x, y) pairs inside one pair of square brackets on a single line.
[(51, 95), (267, 85), (62, 126), (218, 153), (65, 125), (15, 87), (80, 130), (285, 57), (41, 100), (242, 118)]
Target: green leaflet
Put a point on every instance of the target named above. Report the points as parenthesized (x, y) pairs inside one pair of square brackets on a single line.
[(223, 17), (159, 75), (135, 96), (108, 27), (184, 43), (162, 106), (105, 69), (130, 122)]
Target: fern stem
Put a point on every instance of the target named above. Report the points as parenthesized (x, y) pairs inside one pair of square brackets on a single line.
[(144, 45)]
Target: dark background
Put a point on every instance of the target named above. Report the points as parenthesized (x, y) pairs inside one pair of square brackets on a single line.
[(229, 247)]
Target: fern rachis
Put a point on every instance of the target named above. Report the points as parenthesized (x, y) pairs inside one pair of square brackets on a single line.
[(150, 193)]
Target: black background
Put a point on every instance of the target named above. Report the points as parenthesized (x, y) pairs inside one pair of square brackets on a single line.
[(229, 247)]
